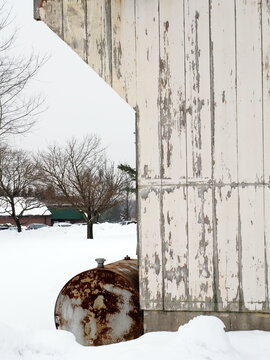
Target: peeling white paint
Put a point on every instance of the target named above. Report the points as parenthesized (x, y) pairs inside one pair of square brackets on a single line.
[(150, 250), (124, 49), (200, 236), (224, 91), (199, 165), (74, 26), (227, 246), (176, 281), (252, 247), (249, 91)]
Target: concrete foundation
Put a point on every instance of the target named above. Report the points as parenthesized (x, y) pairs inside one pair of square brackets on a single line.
[(171, 320)]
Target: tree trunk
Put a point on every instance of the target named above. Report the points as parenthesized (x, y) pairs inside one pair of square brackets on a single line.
[(18, 224), (90, 230), (127, 206)]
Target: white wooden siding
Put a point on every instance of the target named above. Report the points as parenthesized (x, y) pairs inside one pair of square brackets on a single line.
[(198, 116), (52, 14), (74, 26), (200, 256), (252, 248), (267, 245), (224, 91), (266, 85), (266, 118), (172, 103), (249, 91), (227, 221), (99, 47), (124, 49), (176, 281), (150, 250), (147, 59)]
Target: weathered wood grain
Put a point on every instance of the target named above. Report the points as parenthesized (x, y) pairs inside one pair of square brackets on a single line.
[(252, 248), (265, 18), (223, 75), (200, 255), (266, 85), (172, 91), (175, 248), (51, 13), (99, 38), (249, 91), (147, 60), (150, 250), (74, 26), (198, 115), (267, 245), (227, 272), (124, 49)]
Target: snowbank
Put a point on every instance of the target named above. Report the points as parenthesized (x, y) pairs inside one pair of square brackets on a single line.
[(203, 338), (36, 264)]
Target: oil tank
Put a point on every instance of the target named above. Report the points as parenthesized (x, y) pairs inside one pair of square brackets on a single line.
[(101, 306)]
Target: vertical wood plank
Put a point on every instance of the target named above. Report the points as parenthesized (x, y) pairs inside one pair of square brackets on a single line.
[(266, 85), (148, 133), (198, 116), (266, 139), (51, 13), (99, 41), (95, 43), (249, 91), (227, 248), (200, 235), (174, 208), (124, 49), (74, 26), (172, 90), (252, 238), (224, 91), (150, 251), (267, 245)]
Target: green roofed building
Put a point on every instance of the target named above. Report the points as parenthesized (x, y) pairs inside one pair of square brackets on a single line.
[(66, 214)]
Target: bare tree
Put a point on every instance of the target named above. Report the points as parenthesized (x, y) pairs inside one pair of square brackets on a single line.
[(18, 174), (17, 112), (82, 173)]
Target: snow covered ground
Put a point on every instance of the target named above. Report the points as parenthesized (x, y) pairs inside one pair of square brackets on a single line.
[(36, 264)]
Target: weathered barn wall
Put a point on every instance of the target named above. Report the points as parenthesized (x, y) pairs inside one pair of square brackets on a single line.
[(197, 74)]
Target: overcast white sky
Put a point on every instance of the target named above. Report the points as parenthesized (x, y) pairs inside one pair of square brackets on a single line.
[(79, 101)]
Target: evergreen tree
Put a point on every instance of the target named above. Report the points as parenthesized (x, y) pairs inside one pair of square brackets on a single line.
[(130, 187)]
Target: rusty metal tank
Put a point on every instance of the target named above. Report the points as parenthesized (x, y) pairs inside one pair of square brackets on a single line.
[(101, 306)]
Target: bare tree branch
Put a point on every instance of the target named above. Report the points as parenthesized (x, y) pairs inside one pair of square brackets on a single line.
[(81, 172), (17, 111), (18, 174)]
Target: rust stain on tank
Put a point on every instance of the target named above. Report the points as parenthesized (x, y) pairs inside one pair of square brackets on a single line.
[(101, 306)]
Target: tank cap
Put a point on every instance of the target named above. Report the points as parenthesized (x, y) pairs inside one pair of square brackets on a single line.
[(100, 262)]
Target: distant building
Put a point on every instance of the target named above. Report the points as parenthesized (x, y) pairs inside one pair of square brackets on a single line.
[(64, 214), (36, 213)]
